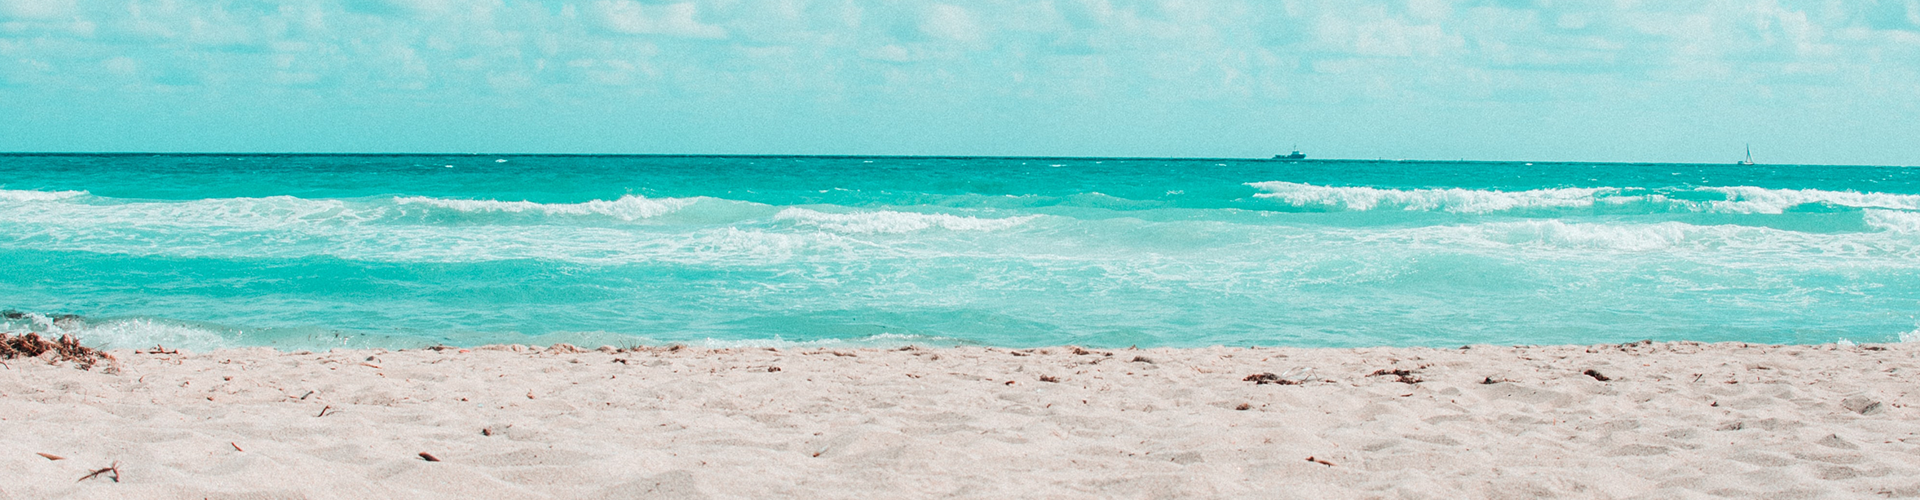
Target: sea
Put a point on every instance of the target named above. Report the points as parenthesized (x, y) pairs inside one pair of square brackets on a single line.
[(307, 252)]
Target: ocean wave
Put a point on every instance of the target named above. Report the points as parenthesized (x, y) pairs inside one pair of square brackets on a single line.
[(120, 334), (886, 221), (1894, 221), (1625, 237), (1749, 199), (1735, 199), (1733, 244), (272, 212), (628, 208), (280, 213), (1448, 200), (18, 195), (141, 333)]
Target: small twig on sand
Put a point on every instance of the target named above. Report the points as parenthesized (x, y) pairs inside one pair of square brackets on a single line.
[(50, 456), (323, 412), (1319, 461), (115, 469), (236, 446), (429, 457)]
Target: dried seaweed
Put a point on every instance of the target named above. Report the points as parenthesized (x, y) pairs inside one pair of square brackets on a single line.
[(1400, 375), (31, 345)]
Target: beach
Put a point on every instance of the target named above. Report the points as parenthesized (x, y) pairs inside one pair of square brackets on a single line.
[(1638, 420)]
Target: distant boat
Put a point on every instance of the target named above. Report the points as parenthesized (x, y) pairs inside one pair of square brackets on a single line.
[(1295, 156), (1749, 160)]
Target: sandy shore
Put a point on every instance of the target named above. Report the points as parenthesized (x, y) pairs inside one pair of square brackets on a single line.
[(1680, 420)]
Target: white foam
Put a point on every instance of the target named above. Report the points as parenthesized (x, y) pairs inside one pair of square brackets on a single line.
[(17, 195), (127, 334), (1450, 200), (886, 221), (1911, 336), (1739, 199), (1749, 199), (1725, 242), (629, 207), (141, 333), (1894, 221)]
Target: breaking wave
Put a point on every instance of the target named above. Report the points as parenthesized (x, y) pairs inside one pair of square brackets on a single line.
[(1749, 199), (895, 222), (628, 208), (1736, 199), (16, 195), (1448, 200)]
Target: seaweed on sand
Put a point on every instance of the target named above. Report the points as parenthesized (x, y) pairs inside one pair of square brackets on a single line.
[(31, 345)]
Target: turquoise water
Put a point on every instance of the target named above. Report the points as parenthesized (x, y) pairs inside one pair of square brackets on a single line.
[(305, 252)]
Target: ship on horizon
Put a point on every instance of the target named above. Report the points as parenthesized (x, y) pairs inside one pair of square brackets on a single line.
[(1749, 160), (1294, 156)]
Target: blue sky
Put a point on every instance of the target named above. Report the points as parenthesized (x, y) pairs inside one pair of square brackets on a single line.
[(1810, 82)]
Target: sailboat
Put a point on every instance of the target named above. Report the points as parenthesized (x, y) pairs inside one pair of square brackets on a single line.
[(1749, 160)]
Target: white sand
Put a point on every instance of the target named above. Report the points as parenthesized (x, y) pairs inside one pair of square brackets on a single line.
[(1678, 420)]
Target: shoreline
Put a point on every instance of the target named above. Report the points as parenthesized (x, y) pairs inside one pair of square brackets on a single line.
[(1682, 419)]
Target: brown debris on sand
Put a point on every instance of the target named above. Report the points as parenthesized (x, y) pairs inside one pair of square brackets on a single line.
[(113, 469), (1401, 375), (1270, 378), (31, 345)]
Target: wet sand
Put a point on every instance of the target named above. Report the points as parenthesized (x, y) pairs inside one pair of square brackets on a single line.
[(1670, 420)]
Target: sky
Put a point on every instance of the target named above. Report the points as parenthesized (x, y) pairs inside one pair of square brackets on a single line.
[(1815, 82)]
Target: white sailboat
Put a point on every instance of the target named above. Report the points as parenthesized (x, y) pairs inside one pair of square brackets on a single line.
[(1749, 160)]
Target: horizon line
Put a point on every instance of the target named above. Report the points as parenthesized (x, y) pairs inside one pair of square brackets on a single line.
[(904, 156)]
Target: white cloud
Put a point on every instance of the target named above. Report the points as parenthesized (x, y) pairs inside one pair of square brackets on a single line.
[(1016, 54), (121, 66), (36, 9), (892, 54), (634, 18), (404, 8), (1186, 48), (951, 23)]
